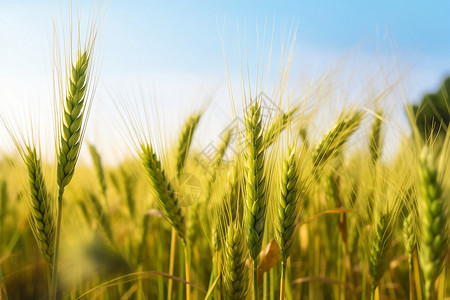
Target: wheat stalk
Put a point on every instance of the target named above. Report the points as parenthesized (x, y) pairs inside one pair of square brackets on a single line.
[(288, 211), (255, 203), (74, 114)]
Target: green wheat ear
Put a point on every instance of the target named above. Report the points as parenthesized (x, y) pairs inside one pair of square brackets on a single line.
[(433, 239), (72, 125), (165, 194), (336, 137), (380, 247), (276, 127), (375, 138), (288, 208), (97, 160), (185, 139), (235, 274), (42, 214), (255, 207), (410, 234)]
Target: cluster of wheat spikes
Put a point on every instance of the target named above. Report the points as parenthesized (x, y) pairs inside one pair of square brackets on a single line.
[(309, 215)]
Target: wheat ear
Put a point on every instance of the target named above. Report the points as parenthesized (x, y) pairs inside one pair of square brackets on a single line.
[(75, 106), (433, 239), (235, 273), (380, 248), (185, 139), (335, 138), (255, 207), (102, 217), (410, 241), (276, 127), (98, 166), (288, 212), (375, 138), (217, 162), (165, 194), (42, 214), (75, 109)]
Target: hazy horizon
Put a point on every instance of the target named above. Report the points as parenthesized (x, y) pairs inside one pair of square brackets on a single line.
[(175, 51)]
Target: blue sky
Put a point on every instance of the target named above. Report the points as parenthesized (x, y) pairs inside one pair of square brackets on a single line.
[(176, 47)]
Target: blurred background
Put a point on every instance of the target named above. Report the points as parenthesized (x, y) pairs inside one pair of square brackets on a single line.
[(182, 55)]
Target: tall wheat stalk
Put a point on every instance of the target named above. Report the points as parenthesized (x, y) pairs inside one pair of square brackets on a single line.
[(255, 202), (287, 219)]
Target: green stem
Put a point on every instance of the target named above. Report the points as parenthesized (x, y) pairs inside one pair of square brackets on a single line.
[(373, 293), (54, 286), (213, 275), (188, 277), (272, 284), (282, 283), (171, 263), (363, 283), (411, 280), (219, 271), (255, 279), (160, 269), (417, 275), (288, 288), (181, 270)]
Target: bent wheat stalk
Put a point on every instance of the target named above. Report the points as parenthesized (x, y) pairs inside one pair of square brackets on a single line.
[(167, 201)]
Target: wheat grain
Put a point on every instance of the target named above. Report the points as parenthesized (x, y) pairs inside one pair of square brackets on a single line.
[(235, 273)]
